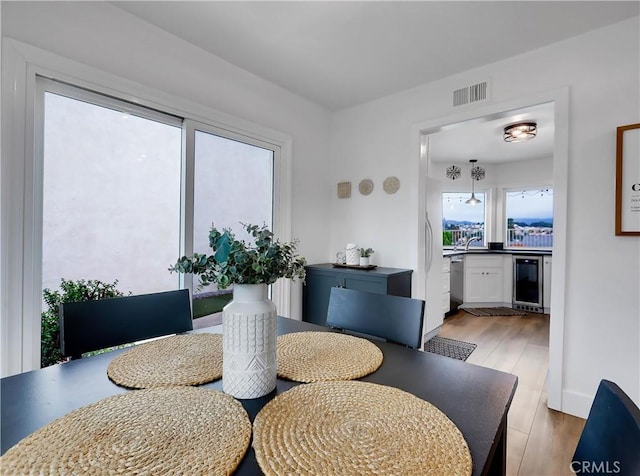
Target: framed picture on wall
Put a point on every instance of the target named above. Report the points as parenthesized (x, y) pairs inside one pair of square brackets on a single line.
[(628, 180)]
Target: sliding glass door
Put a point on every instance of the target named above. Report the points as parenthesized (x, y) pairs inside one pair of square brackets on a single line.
[(233, 184), (111, 191), (126, 190), (100, 184)]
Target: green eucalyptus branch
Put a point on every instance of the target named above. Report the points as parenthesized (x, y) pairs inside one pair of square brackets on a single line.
[(235, 262)]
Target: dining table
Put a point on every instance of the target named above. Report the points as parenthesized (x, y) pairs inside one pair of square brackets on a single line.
[(476, 399)]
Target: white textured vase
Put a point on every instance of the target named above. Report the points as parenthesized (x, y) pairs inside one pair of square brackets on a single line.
[(249, 366)]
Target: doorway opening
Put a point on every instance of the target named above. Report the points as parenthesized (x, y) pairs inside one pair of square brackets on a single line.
[(432, 178)]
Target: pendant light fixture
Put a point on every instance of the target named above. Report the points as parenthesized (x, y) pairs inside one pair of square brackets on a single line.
[(520, 132), (477, 174)]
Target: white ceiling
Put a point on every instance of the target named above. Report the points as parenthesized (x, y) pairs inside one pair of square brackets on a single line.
[(482, 139), (339, 54)]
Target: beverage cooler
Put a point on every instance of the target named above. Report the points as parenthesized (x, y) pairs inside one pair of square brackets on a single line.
[(527, 283)]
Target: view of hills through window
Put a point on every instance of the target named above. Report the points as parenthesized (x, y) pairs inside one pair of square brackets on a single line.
[(528, 219), (462, 221)]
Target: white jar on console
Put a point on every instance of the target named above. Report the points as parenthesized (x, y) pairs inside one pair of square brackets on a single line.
[(352, 254)]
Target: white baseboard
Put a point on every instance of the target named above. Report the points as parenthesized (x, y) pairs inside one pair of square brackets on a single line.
[(576, 404)]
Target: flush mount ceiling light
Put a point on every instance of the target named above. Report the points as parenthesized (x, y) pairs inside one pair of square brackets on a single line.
[(520, 132), (477, 174)]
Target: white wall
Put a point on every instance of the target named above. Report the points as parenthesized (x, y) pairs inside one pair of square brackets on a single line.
[(601, 69), (523, 173), (106, 38)]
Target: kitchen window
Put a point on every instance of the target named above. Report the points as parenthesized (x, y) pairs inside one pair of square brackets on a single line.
[(462, 222), (529, 218)]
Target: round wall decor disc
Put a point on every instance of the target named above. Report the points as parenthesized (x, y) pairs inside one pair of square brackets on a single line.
[(391, 185), (365, 186)]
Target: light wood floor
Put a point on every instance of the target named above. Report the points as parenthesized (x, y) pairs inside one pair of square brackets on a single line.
[(540, 442)]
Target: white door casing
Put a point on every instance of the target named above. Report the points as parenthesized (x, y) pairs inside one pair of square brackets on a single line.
[(560, 99)]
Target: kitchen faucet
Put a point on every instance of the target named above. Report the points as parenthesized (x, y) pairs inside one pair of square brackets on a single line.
[(472, 238)]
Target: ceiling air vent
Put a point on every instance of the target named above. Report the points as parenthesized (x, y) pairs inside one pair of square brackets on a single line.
[(474, 93)]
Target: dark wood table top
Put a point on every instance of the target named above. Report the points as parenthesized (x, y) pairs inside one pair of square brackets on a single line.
[(475, 398)]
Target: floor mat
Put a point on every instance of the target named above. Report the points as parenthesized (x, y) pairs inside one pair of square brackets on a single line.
[(456, 349), (494, 311)]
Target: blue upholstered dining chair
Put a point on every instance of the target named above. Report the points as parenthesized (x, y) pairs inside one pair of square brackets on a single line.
[(610, 440), (393, 318), (92, 325)]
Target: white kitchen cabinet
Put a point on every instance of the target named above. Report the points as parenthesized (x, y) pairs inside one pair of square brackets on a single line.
[(483, 279), (546, 284)]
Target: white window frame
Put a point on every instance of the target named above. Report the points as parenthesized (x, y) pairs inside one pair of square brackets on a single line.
[(505, 232), (21, 184)]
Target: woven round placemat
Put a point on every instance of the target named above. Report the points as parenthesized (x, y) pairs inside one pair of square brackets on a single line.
[(178, 430), (190, 359), (320, 356), (356, 428)]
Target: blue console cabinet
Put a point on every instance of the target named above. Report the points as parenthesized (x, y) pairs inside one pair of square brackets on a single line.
[(322, 277)]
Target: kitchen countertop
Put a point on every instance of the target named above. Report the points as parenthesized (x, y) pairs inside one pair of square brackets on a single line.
[(484, 251)]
